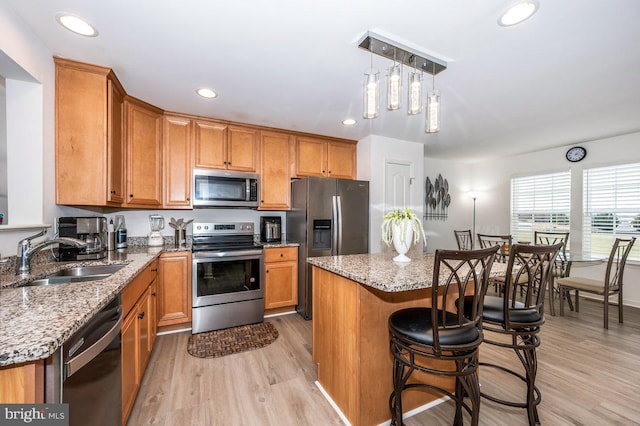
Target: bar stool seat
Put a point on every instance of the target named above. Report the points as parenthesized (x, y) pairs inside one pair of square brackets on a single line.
[(493, 311), (415, 324)]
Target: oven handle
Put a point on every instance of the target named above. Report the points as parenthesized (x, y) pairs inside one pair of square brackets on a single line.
[(209, 254)]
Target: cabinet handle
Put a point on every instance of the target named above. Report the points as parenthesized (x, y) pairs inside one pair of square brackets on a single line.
[(130, 195), (323, 171), (154, 270), (141, 315), (229, 163), (188, 198), (225, 162), (281, 254), (153, 294), (267, 271)]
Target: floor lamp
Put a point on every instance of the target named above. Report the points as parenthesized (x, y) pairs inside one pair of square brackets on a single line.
[(473, 196)]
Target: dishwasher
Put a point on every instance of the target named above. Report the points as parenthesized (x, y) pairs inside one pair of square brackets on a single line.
[(86, 371)]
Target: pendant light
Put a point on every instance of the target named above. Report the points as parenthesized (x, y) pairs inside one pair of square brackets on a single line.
[(433, 108), (371, 100), (419, 63), (394, 85), (414, 98)]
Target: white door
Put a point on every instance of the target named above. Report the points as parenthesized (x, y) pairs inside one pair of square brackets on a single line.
[(397, 185)]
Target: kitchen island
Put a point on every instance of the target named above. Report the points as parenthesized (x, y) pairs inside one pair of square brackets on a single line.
[(353, 297)]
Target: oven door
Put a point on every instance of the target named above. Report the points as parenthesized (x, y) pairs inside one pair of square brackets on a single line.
[(224, 278)]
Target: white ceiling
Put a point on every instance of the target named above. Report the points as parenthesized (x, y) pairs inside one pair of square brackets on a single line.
[(569, 74)]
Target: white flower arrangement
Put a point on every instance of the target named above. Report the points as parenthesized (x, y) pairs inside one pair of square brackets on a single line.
[(403, 218)]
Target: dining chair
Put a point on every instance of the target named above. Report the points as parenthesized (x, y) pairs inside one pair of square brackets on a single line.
[(443, 333), (562, 266), (520, 315), (611, 285), (504, 241), (464, 239)]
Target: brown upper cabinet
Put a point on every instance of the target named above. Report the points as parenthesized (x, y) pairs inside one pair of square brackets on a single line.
[(177, 134), (113, 150), (222, 146), (89, 114), (275, 186), (143, 154), (325, 158)]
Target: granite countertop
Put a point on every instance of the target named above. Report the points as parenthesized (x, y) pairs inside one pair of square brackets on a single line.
[(35, 321), (379, 271), (281, 244)]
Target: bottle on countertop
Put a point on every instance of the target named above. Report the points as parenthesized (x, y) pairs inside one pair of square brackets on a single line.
[(121, 232)]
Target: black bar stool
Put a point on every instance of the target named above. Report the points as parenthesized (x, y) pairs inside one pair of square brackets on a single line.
[(519, 314), (443, 331)]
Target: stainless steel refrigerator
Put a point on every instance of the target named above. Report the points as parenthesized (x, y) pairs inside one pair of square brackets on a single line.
[(328, 217)]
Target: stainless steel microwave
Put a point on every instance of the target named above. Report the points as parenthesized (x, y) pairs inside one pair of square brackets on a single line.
[(218, 188)]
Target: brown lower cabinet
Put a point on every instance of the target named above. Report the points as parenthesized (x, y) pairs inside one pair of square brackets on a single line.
[(174, 288), (281, 278), (22, 383), (138, 332)]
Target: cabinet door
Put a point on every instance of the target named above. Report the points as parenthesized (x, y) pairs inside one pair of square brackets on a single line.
[(115, 143), (81, 148), (311, 157), (144, 155), (129, 364), (242, 149), (152, 308), (144, 330), (281, 287), (210, 145), (174, 292), (177, 162), (275, 182), (341, 160)]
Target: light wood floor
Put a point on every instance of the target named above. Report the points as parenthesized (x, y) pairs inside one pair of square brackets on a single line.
[(587, 375)]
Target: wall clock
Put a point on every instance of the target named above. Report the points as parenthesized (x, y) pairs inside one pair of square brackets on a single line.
[(575, 154)]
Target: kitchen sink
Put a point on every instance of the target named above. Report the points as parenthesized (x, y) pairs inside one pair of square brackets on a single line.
[(82, 271), (76, 275)]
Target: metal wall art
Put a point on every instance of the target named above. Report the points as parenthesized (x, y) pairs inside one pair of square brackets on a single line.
[(437, 198)]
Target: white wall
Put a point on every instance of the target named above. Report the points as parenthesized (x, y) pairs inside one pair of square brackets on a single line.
[(372, 154), (30, 133), (492, 179), (460, 212)]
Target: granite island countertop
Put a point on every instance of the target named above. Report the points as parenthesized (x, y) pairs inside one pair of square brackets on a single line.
[(35, 321), (379, 271)]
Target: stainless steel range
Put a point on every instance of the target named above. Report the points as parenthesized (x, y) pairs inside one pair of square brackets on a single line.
[(228, 267)]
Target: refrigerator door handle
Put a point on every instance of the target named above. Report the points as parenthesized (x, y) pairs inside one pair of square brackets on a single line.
[(339, 230), (334, 225)]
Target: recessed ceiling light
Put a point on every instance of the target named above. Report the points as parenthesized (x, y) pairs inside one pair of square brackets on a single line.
[(518, 13), (76, 25), (349, 122), (206, 93)]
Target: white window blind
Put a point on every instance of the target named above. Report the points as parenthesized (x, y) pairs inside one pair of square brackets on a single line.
[(611, 207), (540, 203)]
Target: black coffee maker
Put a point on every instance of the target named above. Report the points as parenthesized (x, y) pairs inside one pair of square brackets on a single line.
[(91, 230), (270, 229)]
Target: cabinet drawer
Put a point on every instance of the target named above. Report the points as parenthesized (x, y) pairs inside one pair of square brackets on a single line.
[(280, 254)]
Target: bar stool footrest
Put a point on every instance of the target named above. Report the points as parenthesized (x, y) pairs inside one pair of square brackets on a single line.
[(536, 401)]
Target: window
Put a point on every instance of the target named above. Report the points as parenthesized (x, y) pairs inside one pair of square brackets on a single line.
[(611, 207), (540, 203)]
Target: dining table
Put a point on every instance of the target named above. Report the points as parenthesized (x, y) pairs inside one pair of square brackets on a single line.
[(562, 269)]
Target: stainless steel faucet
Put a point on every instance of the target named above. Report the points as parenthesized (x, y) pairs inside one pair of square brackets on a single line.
[(26, 251)]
